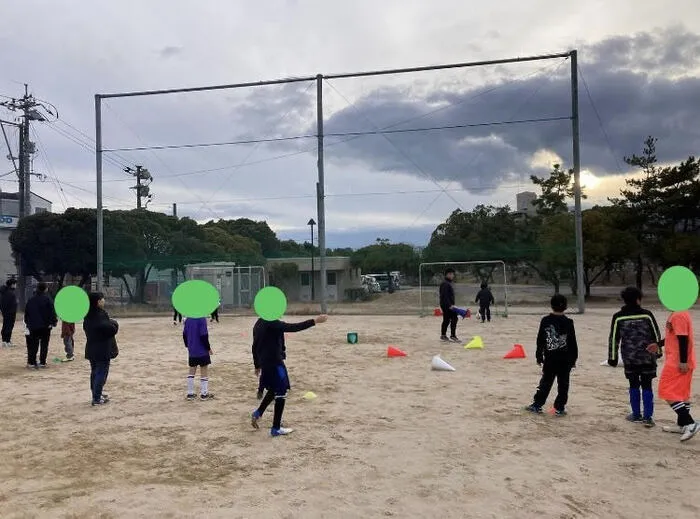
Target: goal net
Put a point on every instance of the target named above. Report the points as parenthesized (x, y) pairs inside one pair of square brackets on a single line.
[(468, 278), (237, 285)]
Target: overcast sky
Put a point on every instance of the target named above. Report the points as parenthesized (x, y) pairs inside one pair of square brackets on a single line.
[(640, 61)]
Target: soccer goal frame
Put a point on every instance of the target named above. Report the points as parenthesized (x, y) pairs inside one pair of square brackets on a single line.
[(463, 263)]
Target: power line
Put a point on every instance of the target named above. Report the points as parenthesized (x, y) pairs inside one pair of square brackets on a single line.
[(355, 195), (600, 121), (339, 134)]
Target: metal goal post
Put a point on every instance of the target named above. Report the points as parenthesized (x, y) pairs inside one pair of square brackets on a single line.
[(500, 294)]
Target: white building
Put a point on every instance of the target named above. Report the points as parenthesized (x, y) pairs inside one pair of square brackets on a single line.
[(524, 203), (9, 216)]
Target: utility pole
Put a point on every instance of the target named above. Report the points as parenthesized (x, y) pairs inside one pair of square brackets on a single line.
[(175, 210), (578, 219), (143, 181), (30, 111)]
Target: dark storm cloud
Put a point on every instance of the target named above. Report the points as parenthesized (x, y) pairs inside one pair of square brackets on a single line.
[(646, 84)]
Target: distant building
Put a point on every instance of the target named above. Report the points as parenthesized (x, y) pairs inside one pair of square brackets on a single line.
[(9, 216), (340, 276), (525, 203)]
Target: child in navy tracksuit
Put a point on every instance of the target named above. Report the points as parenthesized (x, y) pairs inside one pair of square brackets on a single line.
[(269, 353)]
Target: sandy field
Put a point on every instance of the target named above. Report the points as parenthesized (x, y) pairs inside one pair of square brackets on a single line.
[(385, 437)]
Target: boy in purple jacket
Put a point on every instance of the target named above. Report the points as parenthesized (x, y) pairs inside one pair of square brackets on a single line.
[(196, 337)]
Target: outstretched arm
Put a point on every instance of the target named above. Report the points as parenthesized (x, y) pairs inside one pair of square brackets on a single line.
[(297, 327)]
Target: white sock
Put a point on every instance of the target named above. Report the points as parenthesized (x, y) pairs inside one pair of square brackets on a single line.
[(204, 386), (190, 384)]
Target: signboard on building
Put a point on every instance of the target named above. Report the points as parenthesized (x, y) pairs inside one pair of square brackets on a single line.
[(8, 222)]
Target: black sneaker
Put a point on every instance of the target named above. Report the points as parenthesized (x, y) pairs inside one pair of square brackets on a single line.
[(444, 338), (43, 366), (634, 418), (560, 412), (454, 339), (648, 422), (208, 396), (101, 401), (191, 397), (534, 409)]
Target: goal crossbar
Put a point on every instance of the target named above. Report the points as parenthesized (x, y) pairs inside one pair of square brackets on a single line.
[(465, 263)]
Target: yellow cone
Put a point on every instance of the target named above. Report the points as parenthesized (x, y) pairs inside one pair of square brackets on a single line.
[(310, 395), (475, 344)]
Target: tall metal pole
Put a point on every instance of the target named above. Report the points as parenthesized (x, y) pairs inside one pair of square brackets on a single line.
[(580, 286), (313, 295), (320, 194), (22, 181), (27, 172), (98, 169), (175, 210)]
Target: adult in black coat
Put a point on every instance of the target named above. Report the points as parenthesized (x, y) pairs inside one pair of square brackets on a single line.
[(40, 317), (100, 332), (8, 308)]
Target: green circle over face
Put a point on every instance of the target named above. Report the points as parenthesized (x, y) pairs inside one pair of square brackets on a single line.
[(71, 304), (195, 298), (678, 288), (270, 303)]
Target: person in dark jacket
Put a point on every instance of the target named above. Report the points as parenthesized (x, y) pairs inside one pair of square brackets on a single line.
[(269, 353), (485, 299), (635, 333), (40, 317), (447, 305), (557, 353), (8, 308), (100, 332)]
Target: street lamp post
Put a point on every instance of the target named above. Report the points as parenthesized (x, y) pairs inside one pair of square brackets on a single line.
[(311, 224)]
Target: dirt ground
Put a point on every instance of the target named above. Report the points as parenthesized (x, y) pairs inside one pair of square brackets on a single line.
[(384, 438)]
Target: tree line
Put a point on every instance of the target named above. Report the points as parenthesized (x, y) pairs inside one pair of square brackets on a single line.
[(653, 223)]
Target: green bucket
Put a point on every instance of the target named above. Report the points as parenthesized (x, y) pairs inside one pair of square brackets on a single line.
[(352, 338)]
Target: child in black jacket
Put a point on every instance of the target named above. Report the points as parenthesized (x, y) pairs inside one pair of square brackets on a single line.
[(557, 353), (447, 305), (485, 299), (269, 353)]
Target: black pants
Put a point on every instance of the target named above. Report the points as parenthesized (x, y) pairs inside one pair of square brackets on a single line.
[(562, 373), (99, 370), (177, 316), (639, 380), (215, 315), (8, 324), (38, 341), (449, 317), (485, 313)]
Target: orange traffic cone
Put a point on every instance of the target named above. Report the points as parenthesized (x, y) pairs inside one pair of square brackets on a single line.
[(392, 351), (437, 312), (518, 352)]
